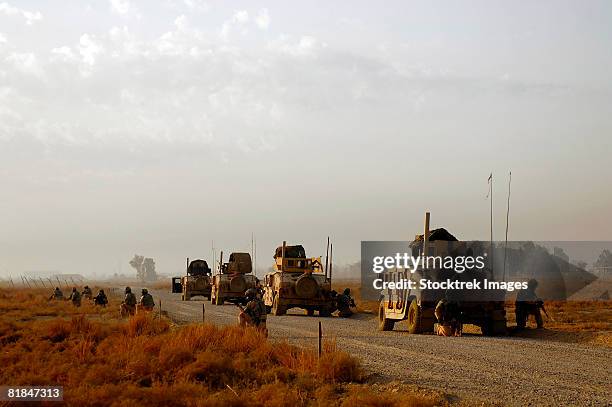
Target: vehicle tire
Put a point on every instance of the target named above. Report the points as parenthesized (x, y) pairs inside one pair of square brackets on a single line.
[(325, 312), (414, 318), (276, 308), (306, 286), (495, 324), (384, 323), (310, 312), (182, 297)]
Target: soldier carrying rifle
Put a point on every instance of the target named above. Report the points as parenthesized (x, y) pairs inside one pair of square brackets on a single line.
[(254, 313)]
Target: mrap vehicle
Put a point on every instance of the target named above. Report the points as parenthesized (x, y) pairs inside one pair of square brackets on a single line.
[(196, 282), (298, 282), (416, 306), (232, 279)]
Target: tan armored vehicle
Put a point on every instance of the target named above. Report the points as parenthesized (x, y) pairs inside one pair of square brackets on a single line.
[(232, 279), (416, 306), (298, 282), (197, 281)]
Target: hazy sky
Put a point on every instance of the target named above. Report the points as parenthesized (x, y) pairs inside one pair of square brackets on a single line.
[(156, 127)]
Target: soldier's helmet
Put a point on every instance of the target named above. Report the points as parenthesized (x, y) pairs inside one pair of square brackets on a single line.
[(57, 289), (347, 291), (101, 292), (86, 287), (128, 290), (250, 293), (145, 291), (533, 283), (73, 288)]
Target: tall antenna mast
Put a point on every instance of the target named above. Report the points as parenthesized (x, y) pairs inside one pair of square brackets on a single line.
[(491, 198), (507, 222)]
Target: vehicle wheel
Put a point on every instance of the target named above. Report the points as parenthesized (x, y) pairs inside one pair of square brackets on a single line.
[(414, 318), (182, 297), (384, 323), (495, 324), (325, 312), (276, 308), (310, 312), (268, 309)]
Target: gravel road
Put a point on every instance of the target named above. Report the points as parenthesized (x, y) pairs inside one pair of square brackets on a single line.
[(513, 371)]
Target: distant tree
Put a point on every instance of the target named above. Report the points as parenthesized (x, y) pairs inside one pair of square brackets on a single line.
[(137, 263), (149, 269), (581, 264)]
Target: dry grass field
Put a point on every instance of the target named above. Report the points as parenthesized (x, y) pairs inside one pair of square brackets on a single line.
[(101, 360)]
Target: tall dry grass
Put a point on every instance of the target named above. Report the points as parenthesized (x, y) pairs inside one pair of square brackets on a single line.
[(105, 361)]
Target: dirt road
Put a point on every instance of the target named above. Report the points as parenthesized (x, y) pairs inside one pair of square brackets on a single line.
[(514, 371)]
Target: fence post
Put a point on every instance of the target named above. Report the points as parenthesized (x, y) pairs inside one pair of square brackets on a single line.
[(160, 310), (203, 313), (320, 336)]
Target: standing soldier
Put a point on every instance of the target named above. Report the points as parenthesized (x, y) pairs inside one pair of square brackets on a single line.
[(527, 303), (87, 292), (57, 294), (254, 313), (128, 306), (146, 301), (75, 297), (100, 299), (345, 302)]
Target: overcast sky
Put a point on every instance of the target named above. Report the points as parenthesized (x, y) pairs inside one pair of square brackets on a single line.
[(157, 127)]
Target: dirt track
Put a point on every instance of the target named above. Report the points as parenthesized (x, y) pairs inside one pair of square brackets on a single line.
[(515, 371)]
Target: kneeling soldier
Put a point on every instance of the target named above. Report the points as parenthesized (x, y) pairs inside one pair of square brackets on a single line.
[(449, 318), (146, 301), (128, 306), (75, 297), (100, 299), (254, 313)]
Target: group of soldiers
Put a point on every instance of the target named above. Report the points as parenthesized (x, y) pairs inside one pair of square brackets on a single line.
[(448, 312), (76, 296), (129, 306)]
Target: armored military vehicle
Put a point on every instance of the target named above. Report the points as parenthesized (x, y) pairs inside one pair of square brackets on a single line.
[(232, 279), (484, 308), (197, 281), (298, 282)]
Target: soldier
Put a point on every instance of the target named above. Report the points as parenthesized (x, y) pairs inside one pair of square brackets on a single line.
[(87, 292), (57, 294), (146, 301), (128, 306), (254, 313), (100, 299), (448, 315), (527, 303), (345, 302), (75, 297)]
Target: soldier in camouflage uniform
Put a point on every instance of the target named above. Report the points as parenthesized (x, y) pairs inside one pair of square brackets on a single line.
[(87, 292), (100, 299), (57, 294), (75, 297), (448, 315), (527, 303), (345, 302), (254, 313), (146, 301), (128, 306)]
